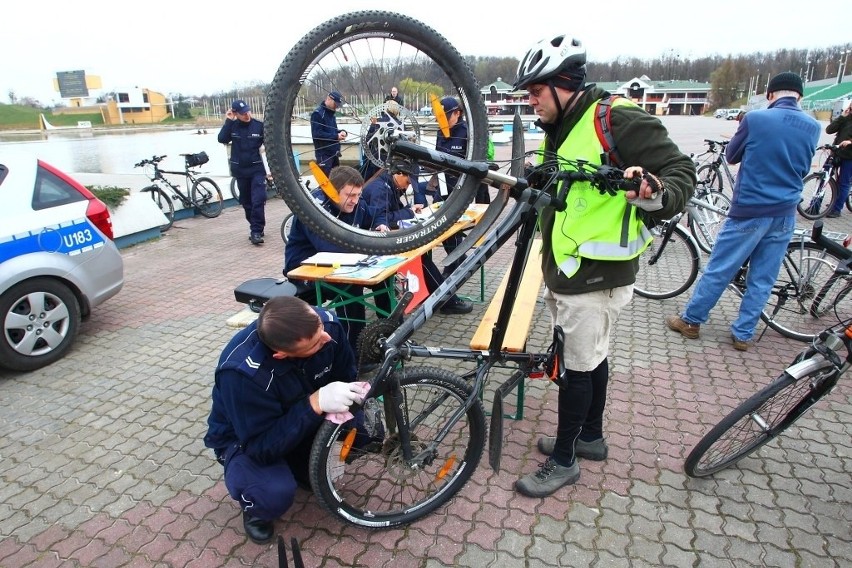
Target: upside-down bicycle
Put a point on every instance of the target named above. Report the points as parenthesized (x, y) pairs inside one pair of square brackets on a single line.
[(430, 421)]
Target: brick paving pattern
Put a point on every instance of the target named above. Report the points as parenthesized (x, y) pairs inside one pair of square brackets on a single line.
[(102, 464)]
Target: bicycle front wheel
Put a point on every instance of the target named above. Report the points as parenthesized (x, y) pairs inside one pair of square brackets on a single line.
[(164, 203), (206, 197), (286, 225), (669, 265), (762, 417), (366, 481), (795, 308), (817, 197), (235, 189), (362, 55), (705, 224)]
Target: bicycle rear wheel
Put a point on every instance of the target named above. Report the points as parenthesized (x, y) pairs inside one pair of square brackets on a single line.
[(818, 195), (762, 417), (711, 177), (669, 265), (362, 55), (235, 189), (794, 308), (164, 203), (368, 482), (286, 225), (705, 224), (206, 197)]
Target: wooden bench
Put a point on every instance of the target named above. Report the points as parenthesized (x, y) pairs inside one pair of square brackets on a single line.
[(520, 322)]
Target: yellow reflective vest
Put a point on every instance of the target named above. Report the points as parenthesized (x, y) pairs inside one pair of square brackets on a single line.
[(594, 225)]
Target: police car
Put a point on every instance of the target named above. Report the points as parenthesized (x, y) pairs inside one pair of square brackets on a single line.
[(57, 261)]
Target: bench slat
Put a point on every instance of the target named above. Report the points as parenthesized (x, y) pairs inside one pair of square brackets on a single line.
[(522, 313)]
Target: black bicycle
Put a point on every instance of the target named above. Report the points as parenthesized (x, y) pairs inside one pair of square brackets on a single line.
[(428, 424), (202, 193), (811, 376), (820, 188)]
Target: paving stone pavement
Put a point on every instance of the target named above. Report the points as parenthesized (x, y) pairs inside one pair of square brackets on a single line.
[(102, 463)]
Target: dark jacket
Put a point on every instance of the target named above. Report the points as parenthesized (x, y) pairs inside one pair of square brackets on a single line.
[(642, 140), (324, 132), (303, 243), (842, 127), (245, 139), (775, 147), (262, 403), (455, 144), (382, 199)]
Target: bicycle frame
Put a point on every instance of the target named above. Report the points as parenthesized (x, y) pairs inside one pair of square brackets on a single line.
[(188, 176)]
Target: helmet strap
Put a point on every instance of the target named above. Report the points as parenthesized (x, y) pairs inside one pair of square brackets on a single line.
[(576, 93)]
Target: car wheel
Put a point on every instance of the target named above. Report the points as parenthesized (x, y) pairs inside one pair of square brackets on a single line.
[(41, 318)]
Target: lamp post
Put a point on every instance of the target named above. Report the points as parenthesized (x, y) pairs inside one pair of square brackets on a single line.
[(808, 72), (841, 65)]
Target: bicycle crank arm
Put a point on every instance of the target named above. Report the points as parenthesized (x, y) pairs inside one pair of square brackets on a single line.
[(495, 434)]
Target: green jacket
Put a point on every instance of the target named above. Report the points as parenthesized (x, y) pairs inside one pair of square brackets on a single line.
[(641, 140), (842, 127)]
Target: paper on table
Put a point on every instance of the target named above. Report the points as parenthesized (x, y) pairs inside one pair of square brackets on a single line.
[(336, 259), (379, 264)]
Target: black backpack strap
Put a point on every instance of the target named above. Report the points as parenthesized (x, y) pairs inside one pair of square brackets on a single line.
[(603, 128)]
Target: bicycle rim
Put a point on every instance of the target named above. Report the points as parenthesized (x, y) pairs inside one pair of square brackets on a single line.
[(705, 224), (235, 189), (370, 485), (794, 308), (162, 201), (674, 271), (817, 197), (759, 419), (206, 197), (286, 224), (362, 55)]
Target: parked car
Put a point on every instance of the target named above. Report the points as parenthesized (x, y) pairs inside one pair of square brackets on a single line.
[(57, 261), (734, 113), (721, 113)]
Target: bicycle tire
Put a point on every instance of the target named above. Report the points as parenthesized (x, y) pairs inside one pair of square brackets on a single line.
[(235, 189), (711, 177), (164, 203), (817, 197), (705, 224), (207, 197), (676, 268), (286, 225), (762, 417), (331, 54), (834, 293), (374, 488), (805, 270)]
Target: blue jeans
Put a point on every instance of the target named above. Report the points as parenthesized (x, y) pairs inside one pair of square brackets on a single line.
[(762, 240), (843, 183)]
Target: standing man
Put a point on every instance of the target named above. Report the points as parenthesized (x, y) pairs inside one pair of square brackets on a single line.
[(775, 147), (842, 127), (275, 382), (327, 137), (394, 95), (591, 249), (244, 134)]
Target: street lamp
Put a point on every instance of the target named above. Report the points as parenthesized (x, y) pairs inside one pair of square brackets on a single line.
[(841, 65), (808, 72)]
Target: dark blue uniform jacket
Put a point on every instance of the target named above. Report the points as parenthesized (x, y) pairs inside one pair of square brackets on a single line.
[(262, 403), (456, 145), (324, 131), (245, 139)]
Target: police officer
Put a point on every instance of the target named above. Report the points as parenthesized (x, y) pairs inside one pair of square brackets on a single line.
[(325, 133), (244, 134), (276, 381)]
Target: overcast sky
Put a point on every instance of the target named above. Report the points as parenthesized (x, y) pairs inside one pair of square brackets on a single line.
[(204, 47)]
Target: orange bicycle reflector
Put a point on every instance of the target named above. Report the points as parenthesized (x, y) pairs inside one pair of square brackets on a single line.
[(324, 183), (446, 469), (347, 444), (440, 115)]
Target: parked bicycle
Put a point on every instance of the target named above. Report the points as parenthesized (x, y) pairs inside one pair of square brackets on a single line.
[(715, 172), (270, 187), (202, 193), (820, 188), (812, 375)]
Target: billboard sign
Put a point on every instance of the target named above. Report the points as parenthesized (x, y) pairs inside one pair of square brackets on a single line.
[(72, 84)]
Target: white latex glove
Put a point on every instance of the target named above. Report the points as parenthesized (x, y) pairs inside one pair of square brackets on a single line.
[(339, 396), (654, 203)]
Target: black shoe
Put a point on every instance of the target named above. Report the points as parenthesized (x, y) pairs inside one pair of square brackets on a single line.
[(256, 238), (456, 305), (258, 530), (833, 214)]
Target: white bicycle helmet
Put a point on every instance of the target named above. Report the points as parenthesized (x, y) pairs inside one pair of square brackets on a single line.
[(550, 57)]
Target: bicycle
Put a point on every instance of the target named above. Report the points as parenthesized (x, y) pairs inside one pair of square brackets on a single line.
[(432, 421), (270, 186), (714, 173), (820, 188), (201, 192), (286, 225), (812, 375)]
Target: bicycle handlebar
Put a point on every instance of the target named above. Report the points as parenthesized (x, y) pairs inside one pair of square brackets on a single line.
[(153, 161)]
